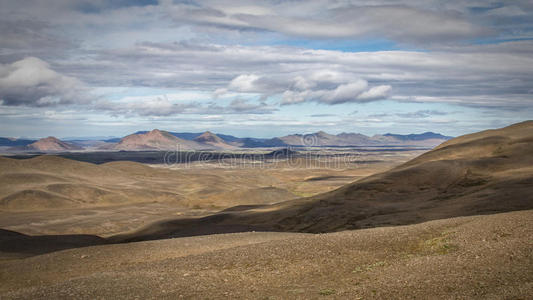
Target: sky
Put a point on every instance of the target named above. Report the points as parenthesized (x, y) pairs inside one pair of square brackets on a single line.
[(78, 68)]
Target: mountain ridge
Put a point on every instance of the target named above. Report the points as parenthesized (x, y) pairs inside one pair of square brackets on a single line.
[(166, 140)]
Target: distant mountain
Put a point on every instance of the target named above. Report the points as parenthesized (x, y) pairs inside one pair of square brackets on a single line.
[(154, 140), (112, 140), (88, 138), (209, 138), (228, 138), (190, 136), (165, 140), (419, 137), (13, 142), (322, 139), (51, 144)]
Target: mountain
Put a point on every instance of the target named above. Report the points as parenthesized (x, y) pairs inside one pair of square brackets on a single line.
[(13, 142), (320, 138), (112, 140), (419, 137), (50, 144), (323, 139), (155, 140), (483, 173), (355, 139), (235, 141), (209, 138), (164, 140), (186, 135)]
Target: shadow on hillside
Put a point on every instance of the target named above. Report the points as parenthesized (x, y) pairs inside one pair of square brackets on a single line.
[(14, 244)]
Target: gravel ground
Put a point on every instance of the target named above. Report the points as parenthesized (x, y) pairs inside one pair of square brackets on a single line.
[(480, 257)]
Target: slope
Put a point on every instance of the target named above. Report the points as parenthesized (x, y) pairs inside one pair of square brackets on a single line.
[(480, 257), (483, 173), (155, 140)]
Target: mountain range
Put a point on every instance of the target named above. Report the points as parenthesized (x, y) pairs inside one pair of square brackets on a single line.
[(164, 141)]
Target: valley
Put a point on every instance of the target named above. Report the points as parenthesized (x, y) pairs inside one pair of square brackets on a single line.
[(277, 224)]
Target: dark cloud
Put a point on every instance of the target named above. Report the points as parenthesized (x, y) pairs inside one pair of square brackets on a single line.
[(97, 6), (398, 22), (20, 38)]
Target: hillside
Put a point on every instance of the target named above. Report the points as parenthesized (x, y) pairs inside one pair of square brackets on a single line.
[(482, 173), (155, 140), (51, 144), (211, 139), (49, 182), (479, 257)]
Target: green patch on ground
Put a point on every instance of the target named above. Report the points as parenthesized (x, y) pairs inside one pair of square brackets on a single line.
[(327, 292), (369, 267), (439, 245)]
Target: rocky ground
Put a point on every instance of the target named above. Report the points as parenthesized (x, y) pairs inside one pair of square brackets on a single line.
[(479, 257)]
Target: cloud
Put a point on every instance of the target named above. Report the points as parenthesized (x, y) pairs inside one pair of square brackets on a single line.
[(244, 83), (29, 37), (322, 115), (356, 91), (320, 19), (162, 106), (422, 114), (31, 82), (483, 75), (375, 93), (244, 106), (324, 86)]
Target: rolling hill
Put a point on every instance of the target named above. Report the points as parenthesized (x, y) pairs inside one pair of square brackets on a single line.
[(50, 144), (481, 173), (155, 140), (211, 139)]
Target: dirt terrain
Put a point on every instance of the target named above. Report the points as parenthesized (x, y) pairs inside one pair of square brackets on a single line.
[(482, 173), (52, 195), (455, 222), (480, 257)]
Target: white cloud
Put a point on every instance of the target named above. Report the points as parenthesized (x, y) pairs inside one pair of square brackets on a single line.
[(32, 82), (375, 93), (356, 91), (244, 83)]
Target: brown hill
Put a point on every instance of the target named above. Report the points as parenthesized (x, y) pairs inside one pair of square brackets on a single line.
[(482, 173), (155, 140), (52, 182), (477, 257), (209, 138), (51, 144)]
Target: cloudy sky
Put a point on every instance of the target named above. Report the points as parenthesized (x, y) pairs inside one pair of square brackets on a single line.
[(263, 68)]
